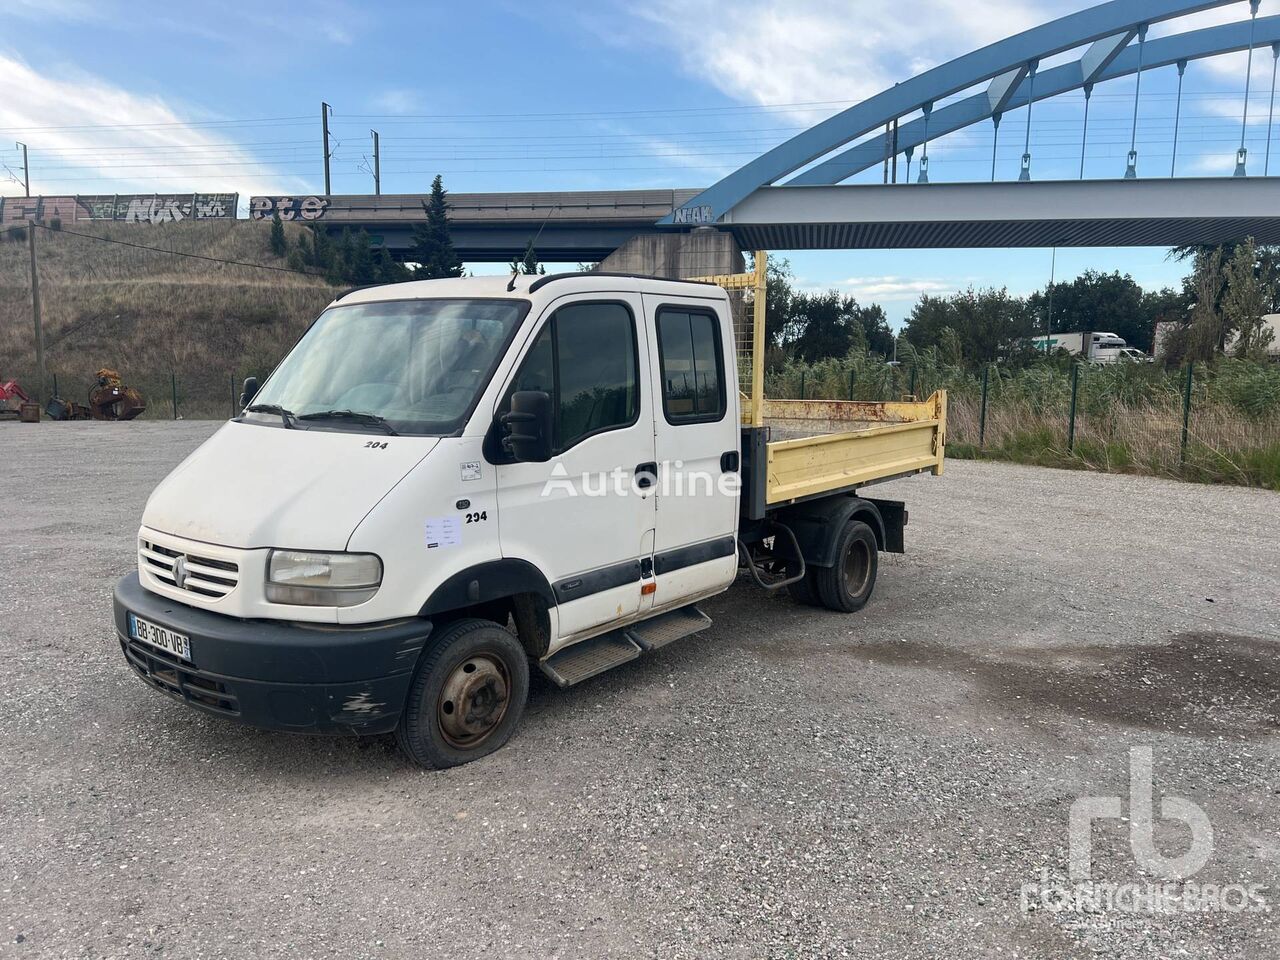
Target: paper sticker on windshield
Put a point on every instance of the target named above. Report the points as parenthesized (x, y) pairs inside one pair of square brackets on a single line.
[(471, 470), (443, 532)]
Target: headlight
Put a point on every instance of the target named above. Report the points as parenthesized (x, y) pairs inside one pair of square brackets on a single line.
[(322, 579)]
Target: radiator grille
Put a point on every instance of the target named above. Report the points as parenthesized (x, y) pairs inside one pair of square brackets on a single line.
[(196, 574)]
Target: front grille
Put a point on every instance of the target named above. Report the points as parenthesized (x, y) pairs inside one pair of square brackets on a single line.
[(199, 575), (173, 676)]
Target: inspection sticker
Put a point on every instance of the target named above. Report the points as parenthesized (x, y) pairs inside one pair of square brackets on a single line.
[(443, 532), (471, 470)]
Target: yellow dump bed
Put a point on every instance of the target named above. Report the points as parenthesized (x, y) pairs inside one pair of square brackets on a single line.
[(821, 446)]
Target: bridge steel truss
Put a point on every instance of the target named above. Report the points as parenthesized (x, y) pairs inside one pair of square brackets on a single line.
[(1010, 68)]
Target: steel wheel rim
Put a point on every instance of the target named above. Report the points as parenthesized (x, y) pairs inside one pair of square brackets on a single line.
[(473, 701), (857, 568)]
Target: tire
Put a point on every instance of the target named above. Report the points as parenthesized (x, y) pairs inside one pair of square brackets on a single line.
[(847, 586), (804, 591), (474, 664)]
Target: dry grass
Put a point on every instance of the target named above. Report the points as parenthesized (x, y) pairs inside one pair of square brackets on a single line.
[(1223, 446), (151, 315)]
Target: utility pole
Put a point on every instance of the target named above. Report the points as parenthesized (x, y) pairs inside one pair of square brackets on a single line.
[(35, 311), (377, 166), (26, 171), (325, 110)]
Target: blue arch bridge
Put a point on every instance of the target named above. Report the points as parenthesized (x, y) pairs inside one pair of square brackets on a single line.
[(795, 196)]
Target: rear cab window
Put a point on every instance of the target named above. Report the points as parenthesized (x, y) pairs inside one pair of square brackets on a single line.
[(691, 362)]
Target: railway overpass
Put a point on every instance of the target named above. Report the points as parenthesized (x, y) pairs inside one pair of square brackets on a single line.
[(566, 226)]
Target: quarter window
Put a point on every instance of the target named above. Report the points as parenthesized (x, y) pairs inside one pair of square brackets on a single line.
[(692, 368), (585, 358)]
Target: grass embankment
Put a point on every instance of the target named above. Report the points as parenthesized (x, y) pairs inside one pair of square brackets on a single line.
[(151, 315), (1129, 418)]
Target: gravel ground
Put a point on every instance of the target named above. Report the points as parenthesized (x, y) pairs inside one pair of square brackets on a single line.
[(789, 783)]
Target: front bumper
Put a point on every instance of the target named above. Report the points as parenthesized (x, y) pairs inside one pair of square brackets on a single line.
[(305, 678)]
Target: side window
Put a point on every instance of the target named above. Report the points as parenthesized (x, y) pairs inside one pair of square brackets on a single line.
[(585, 358), (692, 367)]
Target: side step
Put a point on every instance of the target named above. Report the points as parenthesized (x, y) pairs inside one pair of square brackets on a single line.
[(584, 660), (587, 659), (655, 634)]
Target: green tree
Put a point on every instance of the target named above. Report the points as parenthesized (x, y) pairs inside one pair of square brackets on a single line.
[(1206, 333), (779, 298), (1245, 303), (831, 324), (279, 245), (304, 250), (361, 269), (1110, 302), (432, 247), (984, 324), (528, 264), (387, 270)]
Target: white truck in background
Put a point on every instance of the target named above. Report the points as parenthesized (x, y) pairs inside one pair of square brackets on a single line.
[(1092, 345)]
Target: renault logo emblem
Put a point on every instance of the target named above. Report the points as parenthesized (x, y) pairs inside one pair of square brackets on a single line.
[(180, 572)]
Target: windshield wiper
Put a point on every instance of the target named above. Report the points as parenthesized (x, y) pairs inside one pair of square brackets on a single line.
[(354, 417), (287, 416)]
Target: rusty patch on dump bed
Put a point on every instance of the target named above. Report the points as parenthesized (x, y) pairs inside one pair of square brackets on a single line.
[(838, 410), (1195, 684)]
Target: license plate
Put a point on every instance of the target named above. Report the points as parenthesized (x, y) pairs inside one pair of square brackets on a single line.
[(160, 637)]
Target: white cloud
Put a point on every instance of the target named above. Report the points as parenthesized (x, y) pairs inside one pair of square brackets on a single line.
[(397, 101), (59, 117), (51, 10), (817, 50), (897, 289)]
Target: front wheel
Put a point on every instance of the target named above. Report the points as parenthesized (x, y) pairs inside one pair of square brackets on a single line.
[(847, 585), (467, 695)]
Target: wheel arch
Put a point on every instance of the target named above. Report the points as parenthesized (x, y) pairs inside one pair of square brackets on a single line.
[(817, 525), (492, 591)]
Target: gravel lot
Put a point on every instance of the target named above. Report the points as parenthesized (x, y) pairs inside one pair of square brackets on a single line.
[(789, 783)]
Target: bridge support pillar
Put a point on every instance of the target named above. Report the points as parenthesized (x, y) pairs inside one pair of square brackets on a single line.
[(677, 256)]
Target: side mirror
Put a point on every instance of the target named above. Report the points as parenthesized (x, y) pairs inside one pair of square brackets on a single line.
[(528, 426), (249, 392)]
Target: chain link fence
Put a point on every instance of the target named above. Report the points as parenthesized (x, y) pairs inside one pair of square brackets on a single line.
[(1218, 423)]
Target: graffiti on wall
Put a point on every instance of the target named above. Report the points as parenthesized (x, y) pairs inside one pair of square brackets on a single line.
[(289, 208), (151, 208)]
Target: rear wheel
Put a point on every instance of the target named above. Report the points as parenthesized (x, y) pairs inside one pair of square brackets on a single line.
[(467, 695), (847, 585), (804, 590)]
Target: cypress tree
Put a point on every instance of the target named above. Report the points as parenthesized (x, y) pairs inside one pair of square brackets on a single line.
[(530, 265), (432, 246), (279, 245)]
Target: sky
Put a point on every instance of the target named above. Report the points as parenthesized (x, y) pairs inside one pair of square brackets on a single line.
[(115, 97)]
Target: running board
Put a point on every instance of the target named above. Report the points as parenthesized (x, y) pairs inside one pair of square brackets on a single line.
[(587, 659), (590, 658), (655, 634)]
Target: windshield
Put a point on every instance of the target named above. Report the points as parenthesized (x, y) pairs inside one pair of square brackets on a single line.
[(418, 365)]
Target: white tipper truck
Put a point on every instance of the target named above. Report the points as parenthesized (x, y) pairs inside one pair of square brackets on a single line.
[(446, 483)]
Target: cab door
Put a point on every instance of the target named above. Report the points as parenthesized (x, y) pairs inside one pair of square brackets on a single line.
[(578, 517), (697, 444)]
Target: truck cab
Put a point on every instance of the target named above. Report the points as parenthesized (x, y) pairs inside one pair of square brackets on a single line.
[(447, 481)]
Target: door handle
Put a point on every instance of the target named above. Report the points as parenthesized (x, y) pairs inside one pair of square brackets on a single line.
[(730, 461), (645, 475)]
